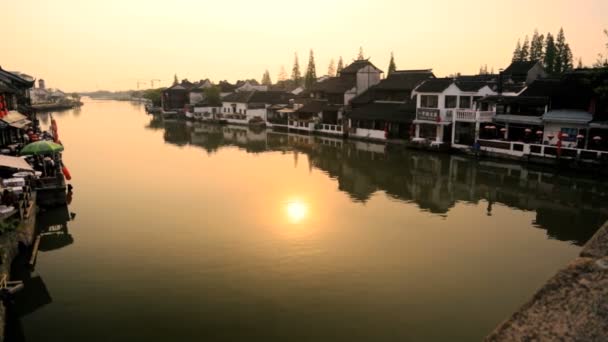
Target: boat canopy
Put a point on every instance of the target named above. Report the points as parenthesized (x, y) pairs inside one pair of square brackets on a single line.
[(15, 163)]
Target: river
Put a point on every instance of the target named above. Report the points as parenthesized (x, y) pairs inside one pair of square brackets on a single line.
[(191, 232)]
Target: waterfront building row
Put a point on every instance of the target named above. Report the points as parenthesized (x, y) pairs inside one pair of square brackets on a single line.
[(520, 112)]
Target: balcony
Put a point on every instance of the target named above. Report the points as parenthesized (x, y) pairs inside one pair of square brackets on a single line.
[(471, 115)]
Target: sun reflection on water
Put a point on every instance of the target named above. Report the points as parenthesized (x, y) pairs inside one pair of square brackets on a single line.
[(296, 211)]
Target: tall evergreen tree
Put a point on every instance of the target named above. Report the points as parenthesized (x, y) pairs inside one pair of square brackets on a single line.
[(340, 66), (517, 52), (266, 79), (560, 53), (391, 65), (550, 54), (536, 47), (175, 80), (296, 75), (525, 50), (311, 72), (579, 65), (360, 55), (282, 74), (567, 59), (331, 69)]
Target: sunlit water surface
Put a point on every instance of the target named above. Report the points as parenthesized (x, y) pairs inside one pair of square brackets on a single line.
[(190, 232)]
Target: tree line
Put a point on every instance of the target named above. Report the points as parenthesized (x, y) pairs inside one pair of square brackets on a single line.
[(554, 53)]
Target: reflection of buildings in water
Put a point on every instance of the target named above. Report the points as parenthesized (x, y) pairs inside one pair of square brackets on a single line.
[(52, 225), (434, 182)]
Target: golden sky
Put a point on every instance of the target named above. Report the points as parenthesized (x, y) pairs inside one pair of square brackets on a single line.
[(80, 45)]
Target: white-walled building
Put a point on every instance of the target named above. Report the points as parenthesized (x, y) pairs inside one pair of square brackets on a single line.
[(445, 103)]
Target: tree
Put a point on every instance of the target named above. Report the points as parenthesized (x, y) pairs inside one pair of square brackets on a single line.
[(550, 54), (340, 65), (360, 56), (567, 59), (560, 52), (266, 79), (483, 70), (296, 76), (391, 65), (212, 96), (517, 52), (580, 63), (536, 47), (525, 51), (153, 95), (602, 61), (331, 69), (282, 74), (175, 80), (311, 72)]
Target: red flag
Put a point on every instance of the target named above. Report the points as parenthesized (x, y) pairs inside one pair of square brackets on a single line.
[(54, 130), (3, 107)]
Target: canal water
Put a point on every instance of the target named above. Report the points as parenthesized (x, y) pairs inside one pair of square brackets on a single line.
[(192, 232)]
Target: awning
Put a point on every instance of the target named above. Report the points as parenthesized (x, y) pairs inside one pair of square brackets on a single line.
[(285, 110), (16, 119), (519, 119), (599, 124), (15, 163), (570, 116)]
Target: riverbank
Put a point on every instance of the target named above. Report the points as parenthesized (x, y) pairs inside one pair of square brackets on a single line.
[(50, 107), (9, 247), (573, 305)]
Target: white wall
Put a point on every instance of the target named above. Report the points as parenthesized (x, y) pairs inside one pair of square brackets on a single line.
[(554, 128), (367, 77), (195, 98), (370, 134), (239, 106)]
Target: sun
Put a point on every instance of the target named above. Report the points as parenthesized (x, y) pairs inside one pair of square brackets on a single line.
[(296, 211)]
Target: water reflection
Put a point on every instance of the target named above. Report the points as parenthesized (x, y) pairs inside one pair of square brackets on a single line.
[(52, 227), (568, 206), (296, 211)]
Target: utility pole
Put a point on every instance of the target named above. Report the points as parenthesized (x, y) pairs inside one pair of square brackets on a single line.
[(152, 83)]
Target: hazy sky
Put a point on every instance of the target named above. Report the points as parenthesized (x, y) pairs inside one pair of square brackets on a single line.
[(82, 45)]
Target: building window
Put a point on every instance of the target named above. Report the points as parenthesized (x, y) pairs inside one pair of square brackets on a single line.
[(451, 101), (429, 101), (465, 102), (476, 101), (571, 132)]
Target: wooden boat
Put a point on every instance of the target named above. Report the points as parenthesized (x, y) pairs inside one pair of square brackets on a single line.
[(51, 191)]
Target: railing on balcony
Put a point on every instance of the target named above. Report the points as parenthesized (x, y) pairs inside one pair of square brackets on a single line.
[(472, 115)]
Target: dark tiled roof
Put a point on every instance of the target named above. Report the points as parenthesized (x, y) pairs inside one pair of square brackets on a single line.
[(240, 97), (544, 87), (478, 78), (435, 85), (471, 85), (334, 85), (519, 68), (15, 79), (226, 87), (521, 100), (316, 106), (405, 80), (263, 97), (355, 66), (385, 111), (271, 97)]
